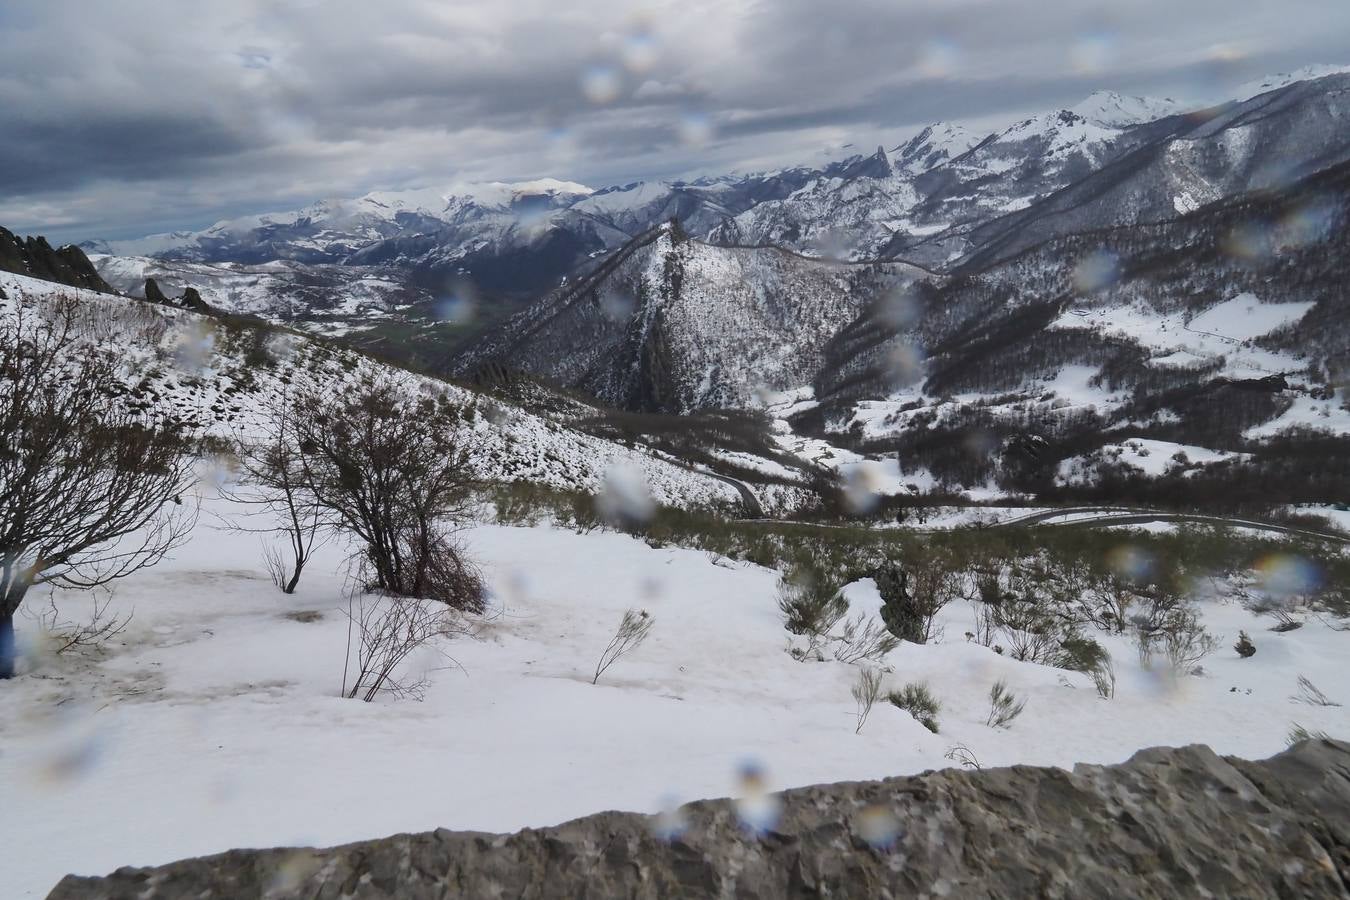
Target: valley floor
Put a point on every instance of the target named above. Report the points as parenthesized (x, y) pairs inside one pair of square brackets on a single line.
[(215, 722)]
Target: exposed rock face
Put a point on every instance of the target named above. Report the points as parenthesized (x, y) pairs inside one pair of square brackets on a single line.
[(1168, 823), (36, 258), (190, 299)]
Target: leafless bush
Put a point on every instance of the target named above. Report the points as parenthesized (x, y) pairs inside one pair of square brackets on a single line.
[(1184, 640), (1104, 679), (865, 692), (276, 487), (633, 630), (68, 634), (391, 469), (986, 625), (964, 755), (1029, 631), (1309, 694), (388, 630), (91, 483), (863, 638), (1003, 706)]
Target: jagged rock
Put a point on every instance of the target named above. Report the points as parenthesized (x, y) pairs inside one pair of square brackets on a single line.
[(153, 294), (193, 301), (1167, 823), (36, 258)]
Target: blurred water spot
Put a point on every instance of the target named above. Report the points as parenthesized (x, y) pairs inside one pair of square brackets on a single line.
[(216, 470), (73, 743), (460, 303), (939, 57), (625, 499), (863, 484), (601, 84), (1131, 563), (904, 364), (1311, 223), (617, 307), (695, 129), (671, 822), (981, 443), (297, 868), (193, 345), (830, 243), (1092, 52), (640, 52), (280, 348), (1287, 574), (879, 827), (900, 308), (651, 588), (1096, 271), (1250, 241), (757, 809)]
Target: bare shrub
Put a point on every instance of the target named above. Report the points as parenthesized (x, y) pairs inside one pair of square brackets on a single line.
[(1031, 634), (865, 692), (1309, 694), (1186, 642), (392, 470), (389, 630), (964, 755), (272, 465), (917, 700), (1003, 706), (864, 639), (67, 634), (91, 484), (633, 630)]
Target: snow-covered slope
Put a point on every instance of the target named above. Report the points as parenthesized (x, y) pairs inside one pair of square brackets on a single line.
[(220, 377), (1226, 329), (671, 324)]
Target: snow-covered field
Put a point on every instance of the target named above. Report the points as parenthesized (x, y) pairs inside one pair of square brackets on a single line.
[(215, 722)]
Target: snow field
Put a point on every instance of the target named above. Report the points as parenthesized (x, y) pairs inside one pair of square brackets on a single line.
[(214, 721)]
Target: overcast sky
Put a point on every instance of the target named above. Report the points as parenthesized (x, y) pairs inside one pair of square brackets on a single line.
[(138, 116)]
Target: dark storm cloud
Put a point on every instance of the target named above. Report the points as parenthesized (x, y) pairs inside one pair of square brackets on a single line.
[(145, 115)]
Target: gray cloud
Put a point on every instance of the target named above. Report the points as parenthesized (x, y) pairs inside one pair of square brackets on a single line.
[(150, 115)]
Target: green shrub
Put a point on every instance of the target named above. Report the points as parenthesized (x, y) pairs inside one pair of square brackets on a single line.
[(917, 700)]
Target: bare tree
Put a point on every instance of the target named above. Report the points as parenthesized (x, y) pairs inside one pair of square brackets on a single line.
[(275, 486), (392, 469), (633, 630), (90, 489)]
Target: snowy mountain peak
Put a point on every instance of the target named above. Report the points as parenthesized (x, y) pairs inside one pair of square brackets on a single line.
[(1121, 111), (1284, 79), (936, 144)]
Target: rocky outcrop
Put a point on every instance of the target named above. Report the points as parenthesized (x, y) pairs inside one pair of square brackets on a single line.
[(36, 258), (1168, 823), (190, 299)]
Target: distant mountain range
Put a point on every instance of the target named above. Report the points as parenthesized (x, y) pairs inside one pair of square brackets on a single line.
[(1022, 308)]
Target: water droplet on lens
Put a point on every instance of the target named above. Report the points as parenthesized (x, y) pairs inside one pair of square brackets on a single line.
[(601, 84)]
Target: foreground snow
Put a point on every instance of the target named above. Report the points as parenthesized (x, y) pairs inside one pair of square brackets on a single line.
[(216, 723)]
